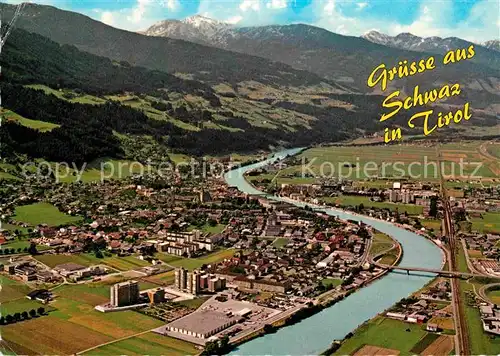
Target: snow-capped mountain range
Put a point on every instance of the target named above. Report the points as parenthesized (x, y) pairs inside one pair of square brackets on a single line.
[(423, 44), (196, 28), (492, 44), (204, 30)]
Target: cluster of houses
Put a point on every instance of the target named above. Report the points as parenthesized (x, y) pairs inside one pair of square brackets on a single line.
[(428, 305), (313, 247)]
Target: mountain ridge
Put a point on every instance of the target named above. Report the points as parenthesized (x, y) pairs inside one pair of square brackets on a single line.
[(433, 44)]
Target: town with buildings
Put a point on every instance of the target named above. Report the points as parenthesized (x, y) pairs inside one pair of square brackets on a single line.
[(211, 263)]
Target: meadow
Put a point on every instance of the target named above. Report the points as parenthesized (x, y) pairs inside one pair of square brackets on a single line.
[(166, 278), (352, 200), (487, 223), (150, 344), (207, 228), (381, 242), (351, 162), (280, 242), (193, 263), (481, 342), (494, 296), (12, 290), (97, 171), (69, 95), (87, 259), (331, 282), (74, 325), (386, 333), (42, 126), (43, 213)]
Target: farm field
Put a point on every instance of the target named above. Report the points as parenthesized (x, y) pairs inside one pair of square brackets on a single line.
[(351, 162), (193, 263), (12, 290), (43, 213), (165, 257), (489, 223), (369, 350), (86, 259), (7, 176), (115, 325), (150, 344), (443, 345), (20, 305), (146, 107), (165, 278), (74, 325), (352, 200), (50, 335), (481, 343), (429, 224), (386, 333), (475, 254), (179, 158)]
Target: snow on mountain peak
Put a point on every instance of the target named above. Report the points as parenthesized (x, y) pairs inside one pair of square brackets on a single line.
[(199, 20)]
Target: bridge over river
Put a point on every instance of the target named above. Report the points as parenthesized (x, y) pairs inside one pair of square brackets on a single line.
[(439, 272)]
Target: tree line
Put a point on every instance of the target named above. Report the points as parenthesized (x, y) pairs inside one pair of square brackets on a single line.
[(25, 315)]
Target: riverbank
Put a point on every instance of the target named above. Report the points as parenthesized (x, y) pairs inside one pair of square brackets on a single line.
[(314, 334)]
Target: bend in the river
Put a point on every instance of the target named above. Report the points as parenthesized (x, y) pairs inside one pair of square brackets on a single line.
[(315, 334)]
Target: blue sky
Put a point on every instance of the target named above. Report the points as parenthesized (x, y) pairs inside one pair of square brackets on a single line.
[(476, 20)]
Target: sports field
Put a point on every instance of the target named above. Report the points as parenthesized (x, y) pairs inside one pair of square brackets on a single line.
[(43, 213)]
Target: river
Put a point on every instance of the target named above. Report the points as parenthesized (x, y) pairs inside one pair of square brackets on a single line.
[(315, 334)]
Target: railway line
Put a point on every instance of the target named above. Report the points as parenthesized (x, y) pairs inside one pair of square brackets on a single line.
[(462, 335)]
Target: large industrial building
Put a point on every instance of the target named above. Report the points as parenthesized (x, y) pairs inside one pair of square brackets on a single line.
[(125, 293), (203, 324)]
